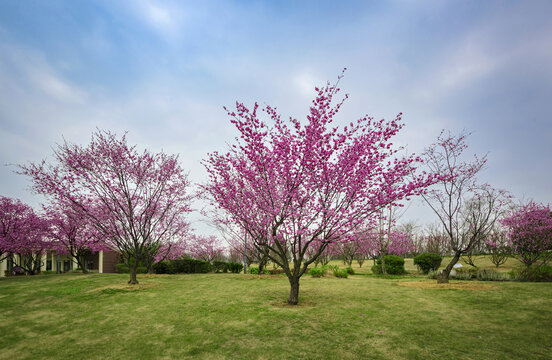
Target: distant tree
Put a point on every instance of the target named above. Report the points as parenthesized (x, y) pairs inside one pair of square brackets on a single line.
[(205, 247), (466, 210), (23, 235), (497, 245), (133, 199), (292, 186), (530, 232), (73, 233)]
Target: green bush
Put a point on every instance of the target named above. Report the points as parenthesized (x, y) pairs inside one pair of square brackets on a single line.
[(235, 267), (182, 266), (255, 270), (318, 271), (340, 273), (47, 272), (465, 274), (350, 270), (536, 273), (220, 266), (491, 275), (394, 265), (124, 269), (161, 267), (428, 261)]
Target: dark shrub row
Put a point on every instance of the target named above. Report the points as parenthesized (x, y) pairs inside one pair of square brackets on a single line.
[(182, 266)]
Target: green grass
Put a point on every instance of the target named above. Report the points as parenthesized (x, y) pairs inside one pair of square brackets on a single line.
[(219, 316)]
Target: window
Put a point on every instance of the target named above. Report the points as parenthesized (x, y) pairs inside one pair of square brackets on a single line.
[(48, 265)]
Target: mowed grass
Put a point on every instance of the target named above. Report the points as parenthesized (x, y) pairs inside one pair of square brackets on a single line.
[(228, 316)]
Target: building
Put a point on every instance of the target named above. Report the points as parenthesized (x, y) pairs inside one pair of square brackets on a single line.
[(102, 262)]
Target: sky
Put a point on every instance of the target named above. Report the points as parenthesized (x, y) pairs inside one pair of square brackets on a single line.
[(163, 70)]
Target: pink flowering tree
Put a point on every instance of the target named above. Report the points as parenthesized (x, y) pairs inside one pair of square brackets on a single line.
[(73, 233), (292, 185), (133, 199), (497, 245), (466, 209), (166, 250), (23, 235), (530, 231), (206, 247)]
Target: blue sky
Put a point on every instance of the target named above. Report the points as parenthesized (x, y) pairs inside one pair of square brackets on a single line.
[(163, 70)]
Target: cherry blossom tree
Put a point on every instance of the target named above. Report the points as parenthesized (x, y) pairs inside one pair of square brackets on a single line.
[(73, 233), (293, 185), (530, 231), (205, 247), (133, 199), (22, 233), (466, 209)]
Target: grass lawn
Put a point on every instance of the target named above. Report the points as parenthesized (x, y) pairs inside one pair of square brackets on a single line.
[(217, 316)]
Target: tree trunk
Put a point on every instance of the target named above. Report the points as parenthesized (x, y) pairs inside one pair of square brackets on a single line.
[(294, 291), (133, 280), (81, 264), (383, 269), (443, 277)]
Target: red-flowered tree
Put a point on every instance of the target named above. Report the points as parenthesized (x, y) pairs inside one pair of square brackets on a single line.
[(205, 247), (23, 235), (530, 231), (467, 210), (292, 186), (133, 199), (73, 233)]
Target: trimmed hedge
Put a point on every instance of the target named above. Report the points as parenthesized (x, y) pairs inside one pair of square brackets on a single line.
[(182, 266), (427, 262), (235, 267), (124, 269), (220, 266), (394, 265)]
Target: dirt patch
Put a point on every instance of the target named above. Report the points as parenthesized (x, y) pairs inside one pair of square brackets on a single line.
[(464, 285), (123, 288)]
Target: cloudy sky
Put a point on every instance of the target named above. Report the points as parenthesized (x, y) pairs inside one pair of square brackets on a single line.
[(163, 70)]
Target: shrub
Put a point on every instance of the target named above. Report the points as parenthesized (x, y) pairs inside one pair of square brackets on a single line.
[(340, 273), (220, 266), (318, 271), (276, 271), (350, 270), (427, 262), (394, 265), (47, 272), (491, 275), (432, 274), (124, 269), (161, 267), (188, 266), (465, 274), (235, 267), (255, 270), (536, 273)]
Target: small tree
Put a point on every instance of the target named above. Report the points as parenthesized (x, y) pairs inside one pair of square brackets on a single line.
[(22, 233), (497, 246), (292, 186), (133, 199), (530, 232), (73, 233), (466, 210), (206, 248)]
